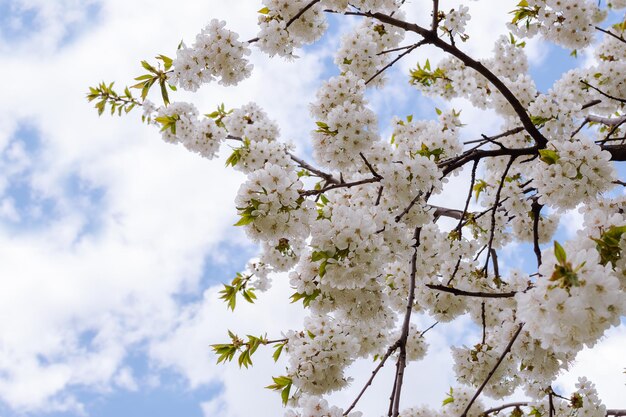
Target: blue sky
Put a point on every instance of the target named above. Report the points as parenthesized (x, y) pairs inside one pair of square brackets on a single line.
[(114, 243)]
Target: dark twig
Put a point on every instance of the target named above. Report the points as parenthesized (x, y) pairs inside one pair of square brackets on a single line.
[(464, 293), (370, 167), (503, 407), (305, 165), (459, 227), (409, 207), (621, 100), (294, 18), (301, 12), (435, 21), (390, 351), (396, 59), (494, 262), (496, 204), (536, 211), (484, 321), (341, 185), (401, 364), (609, 412), (493, 370), (608, 32)]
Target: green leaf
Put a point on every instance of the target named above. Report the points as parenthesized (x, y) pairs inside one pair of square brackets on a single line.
[(322, 268), (559, 253), (164, 94), (264, 10), (608, 245), (449, 397), (278, 349), (548, 156), (144, 77), (448, 400), (282, 384), (167, 62), (149, 67), (479, 187)]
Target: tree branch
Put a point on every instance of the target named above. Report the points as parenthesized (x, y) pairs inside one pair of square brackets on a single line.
[(493, 370), (464, 293), (431, 37), (401, 364)]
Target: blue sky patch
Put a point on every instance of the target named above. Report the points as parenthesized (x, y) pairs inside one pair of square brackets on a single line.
[(19, 22), (36, 209)]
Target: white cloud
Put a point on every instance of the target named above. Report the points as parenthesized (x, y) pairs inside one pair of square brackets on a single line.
[(79, 299)]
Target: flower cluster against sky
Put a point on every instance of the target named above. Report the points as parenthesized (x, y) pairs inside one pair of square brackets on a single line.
[(113, 244)]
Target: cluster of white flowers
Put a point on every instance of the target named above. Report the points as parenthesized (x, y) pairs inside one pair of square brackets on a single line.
[(566, 22), (271, 207), (347, 246), (583, 402), (346, 127), (275, 38), (572, 172), (455, 21), (450, 78), (472, 365), (317, 407), (573, 301), (181, 125), (319, 355), (360, 50), (455, 404), (215, 55)]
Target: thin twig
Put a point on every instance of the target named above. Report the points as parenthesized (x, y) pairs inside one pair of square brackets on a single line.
[(390, 351), (607, 95), (608, 32), (341, 185), (401, 364), (536, 211), (478, 294), (495, 207), (493, 370), (396, 59)]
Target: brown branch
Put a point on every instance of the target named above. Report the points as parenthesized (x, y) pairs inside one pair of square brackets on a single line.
[(431, 37), (484, 321), (503, 407), (464, 293), (496, 204), (447, 212), (459, 227), (401, 364), (301, 12), (536, 211), (391, 349), (435, 21), (308, 193), (452, 164), (370, 167), (294, 18), (609, 412), (608, 32), (493, 370), (494, 262), (392, 63), (621, 100), (408, 208), (305, 165)]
